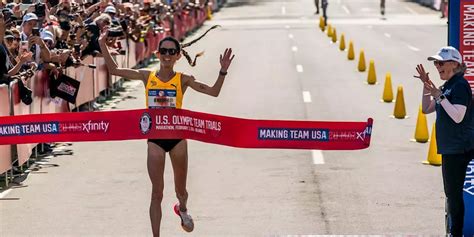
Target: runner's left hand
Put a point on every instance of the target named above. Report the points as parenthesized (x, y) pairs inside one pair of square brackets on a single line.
[(226, 59)]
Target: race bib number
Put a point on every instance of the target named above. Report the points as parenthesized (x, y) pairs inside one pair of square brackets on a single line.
[(161, 98)]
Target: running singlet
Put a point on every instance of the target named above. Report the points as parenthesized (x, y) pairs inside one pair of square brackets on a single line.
[(163, 94)]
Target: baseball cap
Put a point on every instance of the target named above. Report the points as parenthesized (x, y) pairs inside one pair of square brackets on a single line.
[(11, 5), (110, 9), (47, 35), (447, 53), (29, 17)]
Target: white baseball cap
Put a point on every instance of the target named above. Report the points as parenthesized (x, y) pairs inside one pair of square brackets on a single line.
[(29, 17), (447, 53), (110, 9), (47, 35)]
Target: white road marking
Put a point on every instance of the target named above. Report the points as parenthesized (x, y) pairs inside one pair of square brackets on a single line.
[(4, 193), (294, 49), (318, 158), (346, 9), (283, 10), (387, 35), (291, 36), (413, 48), (306, 97), (411, 10), (299, 68)]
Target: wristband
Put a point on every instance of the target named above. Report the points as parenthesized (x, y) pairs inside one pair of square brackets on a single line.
[(222, 73)]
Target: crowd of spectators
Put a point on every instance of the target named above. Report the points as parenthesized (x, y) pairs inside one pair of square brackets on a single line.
[(51, 35)]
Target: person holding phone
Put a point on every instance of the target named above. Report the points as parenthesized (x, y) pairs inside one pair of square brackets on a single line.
[(452, 103), (171, 85), (37, 46)]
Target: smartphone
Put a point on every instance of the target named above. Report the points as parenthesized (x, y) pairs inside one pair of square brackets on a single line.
[(36, 31), (24, 46), (77, 48)]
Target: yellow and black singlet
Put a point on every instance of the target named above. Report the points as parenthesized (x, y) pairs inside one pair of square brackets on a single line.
[(161, 94)]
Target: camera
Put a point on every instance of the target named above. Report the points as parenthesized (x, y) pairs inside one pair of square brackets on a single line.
[(71, 61), (40, 9), (7, 14), (64, 23), (93, 29), (115, 32), (10, 18)]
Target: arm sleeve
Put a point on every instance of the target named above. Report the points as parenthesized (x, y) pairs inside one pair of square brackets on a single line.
[(456, 107)]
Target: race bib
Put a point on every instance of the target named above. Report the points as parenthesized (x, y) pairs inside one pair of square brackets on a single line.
[(161, 98)]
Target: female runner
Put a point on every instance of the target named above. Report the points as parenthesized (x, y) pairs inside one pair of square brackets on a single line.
[(164, 89)]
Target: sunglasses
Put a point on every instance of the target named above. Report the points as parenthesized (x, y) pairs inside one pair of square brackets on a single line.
[(166, 51), (441, 63), (12, 39)]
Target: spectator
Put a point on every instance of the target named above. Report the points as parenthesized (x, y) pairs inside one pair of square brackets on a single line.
[(15, 60), (37, 46), (444, 8), (112, 12), (454, 128)]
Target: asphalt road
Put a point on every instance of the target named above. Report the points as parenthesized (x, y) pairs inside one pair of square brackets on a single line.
[(103, 188)]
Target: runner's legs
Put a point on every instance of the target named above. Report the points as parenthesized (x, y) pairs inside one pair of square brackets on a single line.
[(179, 161), (156, 168)]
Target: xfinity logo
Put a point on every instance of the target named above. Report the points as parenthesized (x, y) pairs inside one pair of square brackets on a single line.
[(95, 126)]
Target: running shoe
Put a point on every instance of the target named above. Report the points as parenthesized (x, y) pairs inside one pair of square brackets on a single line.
[(186, 220)]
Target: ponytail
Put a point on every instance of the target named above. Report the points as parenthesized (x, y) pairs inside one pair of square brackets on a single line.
[(181, 47)]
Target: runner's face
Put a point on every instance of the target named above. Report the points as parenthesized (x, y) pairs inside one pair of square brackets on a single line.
[(167, 59)]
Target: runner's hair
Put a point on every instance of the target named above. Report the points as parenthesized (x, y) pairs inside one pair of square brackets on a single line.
[(182, 46)]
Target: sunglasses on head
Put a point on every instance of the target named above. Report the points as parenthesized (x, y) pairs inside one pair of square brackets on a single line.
[(166, 51), (12, 39), (441, 63)]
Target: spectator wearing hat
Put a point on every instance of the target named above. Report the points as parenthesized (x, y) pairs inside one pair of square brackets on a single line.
[(48, 38), (8, 65), (454, 128), (37, 46), (15, 61), (56, 56), (12, 42), (93, 32), (112, 12)]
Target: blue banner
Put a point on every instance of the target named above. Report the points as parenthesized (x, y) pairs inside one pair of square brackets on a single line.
[(461, 24), (469, 201)]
